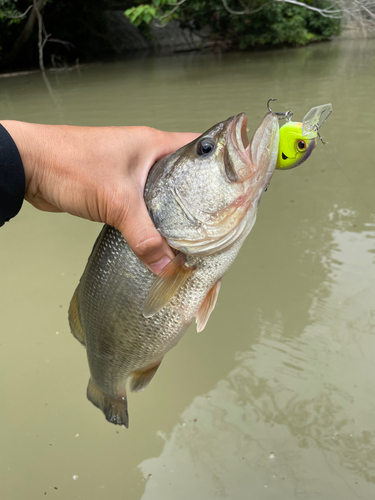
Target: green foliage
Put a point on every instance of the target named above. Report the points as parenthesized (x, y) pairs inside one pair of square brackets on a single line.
[(282, 23), (276, 23), (9, 13), (145, 13), (83, 26), (8, 8), (141, 13)]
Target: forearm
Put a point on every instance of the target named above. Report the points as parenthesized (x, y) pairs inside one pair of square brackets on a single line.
[(65, 163), (97, 173)]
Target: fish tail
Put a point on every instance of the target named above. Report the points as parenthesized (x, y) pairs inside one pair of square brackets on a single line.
[(115, 410)]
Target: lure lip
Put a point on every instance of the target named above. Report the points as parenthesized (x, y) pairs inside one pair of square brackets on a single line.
[(315, 118)]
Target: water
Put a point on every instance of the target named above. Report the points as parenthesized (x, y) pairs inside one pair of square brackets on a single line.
[(276, 398)]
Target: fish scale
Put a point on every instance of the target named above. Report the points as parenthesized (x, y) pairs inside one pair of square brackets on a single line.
[(127, 318)]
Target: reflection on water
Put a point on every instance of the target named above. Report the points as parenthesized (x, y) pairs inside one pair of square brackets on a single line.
[(275, 399), (284, 423)]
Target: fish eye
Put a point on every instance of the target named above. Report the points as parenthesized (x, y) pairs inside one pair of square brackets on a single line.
[(301, 145), (206, 147)]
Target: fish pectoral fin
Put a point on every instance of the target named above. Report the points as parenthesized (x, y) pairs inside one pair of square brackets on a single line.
[(141, 379), (115, 409), (74, 321), (167, 283), (207, 306)]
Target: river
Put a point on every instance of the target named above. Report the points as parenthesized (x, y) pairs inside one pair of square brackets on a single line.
[(276, 398)]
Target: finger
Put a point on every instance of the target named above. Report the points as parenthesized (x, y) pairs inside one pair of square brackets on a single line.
[(139, 231)]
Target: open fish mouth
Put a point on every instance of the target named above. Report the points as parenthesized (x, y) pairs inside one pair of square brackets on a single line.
[(234, 174), (238, 163), (240, 126), (254, 159), (239, 136)]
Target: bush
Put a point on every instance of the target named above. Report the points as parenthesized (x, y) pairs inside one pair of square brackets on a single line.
[(275, 23)]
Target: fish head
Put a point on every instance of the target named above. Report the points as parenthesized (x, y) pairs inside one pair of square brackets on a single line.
[(295, 147), (204, 197)]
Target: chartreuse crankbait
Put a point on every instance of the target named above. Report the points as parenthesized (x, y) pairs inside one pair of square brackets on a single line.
[(297, 140)]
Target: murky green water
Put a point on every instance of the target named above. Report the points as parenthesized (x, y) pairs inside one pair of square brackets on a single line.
[(276, 398)]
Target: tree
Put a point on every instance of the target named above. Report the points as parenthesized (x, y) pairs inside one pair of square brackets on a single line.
[(354, 13), (246, 23), (34, 13), (78, 28)]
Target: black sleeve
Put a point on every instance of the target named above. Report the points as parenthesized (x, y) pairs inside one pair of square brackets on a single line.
[(12, 178)]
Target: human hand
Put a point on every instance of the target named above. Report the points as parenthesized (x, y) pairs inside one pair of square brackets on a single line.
[(97, 173)]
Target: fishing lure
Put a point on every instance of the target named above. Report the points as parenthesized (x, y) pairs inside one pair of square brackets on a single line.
[(297, 140)]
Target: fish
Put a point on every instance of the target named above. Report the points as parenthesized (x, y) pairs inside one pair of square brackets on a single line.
[(203, 199)]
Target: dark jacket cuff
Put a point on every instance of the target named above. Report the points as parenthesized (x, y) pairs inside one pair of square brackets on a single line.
[(12, 178)]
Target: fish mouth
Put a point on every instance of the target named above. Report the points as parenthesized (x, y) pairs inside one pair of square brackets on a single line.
[(246, 168), (245, 161), (239, 135), (285, 157), (238, 164)]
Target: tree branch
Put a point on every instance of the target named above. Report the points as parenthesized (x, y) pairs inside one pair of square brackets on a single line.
[(243, 12), (20, 15), (327, 12), (42, 35), (176, 6), (25, 34)]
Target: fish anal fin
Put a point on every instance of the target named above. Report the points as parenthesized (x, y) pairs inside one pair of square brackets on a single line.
[(115, 409), (74, 321), (140, 379), (207, 306), (167, 283)]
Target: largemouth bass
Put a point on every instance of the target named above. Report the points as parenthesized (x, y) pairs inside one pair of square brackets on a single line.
[(203, 199)]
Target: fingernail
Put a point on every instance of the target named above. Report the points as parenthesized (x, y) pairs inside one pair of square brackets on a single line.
[(156, 267)]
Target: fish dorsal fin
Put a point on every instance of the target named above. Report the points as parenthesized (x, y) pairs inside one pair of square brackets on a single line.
[(167, 283), (207, 306), (141, 378), (74, 321)]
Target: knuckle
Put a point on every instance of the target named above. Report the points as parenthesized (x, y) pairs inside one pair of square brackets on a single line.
[(147, 246)]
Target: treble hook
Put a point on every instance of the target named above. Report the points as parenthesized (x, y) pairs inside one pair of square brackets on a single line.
[(316, 129), (287, 115)]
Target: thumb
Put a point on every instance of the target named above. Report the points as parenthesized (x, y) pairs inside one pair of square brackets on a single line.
[(139, 232)]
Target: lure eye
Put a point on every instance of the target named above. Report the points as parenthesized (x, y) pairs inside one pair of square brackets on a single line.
[(206, 147), (301, 145)]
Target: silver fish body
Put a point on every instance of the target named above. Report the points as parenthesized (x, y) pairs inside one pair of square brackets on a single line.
[(203, 199)]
